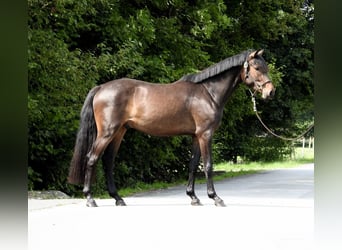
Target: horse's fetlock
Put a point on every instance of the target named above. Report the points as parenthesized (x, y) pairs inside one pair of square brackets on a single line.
[(212, 195), (190, 192)]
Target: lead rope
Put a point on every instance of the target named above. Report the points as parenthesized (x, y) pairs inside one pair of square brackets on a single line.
[(270, 131)]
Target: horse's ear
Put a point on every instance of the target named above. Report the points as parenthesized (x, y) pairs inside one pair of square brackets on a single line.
[(260, 52), (255, 53), (252, 55)]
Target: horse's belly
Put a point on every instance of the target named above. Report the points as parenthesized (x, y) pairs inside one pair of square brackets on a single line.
[(163, 125)]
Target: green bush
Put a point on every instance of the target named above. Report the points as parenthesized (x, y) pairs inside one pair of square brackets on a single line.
[(267, 149)]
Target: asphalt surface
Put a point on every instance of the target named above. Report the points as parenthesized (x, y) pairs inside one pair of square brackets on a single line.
[(268, 211)]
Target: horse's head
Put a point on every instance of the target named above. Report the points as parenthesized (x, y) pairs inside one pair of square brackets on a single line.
[(255, 74)]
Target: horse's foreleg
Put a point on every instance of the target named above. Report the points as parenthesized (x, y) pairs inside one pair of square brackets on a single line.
[(206, 151), (195, 158), (108, 165)]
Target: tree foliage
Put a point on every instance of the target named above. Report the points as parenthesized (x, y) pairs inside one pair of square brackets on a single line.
[(75, 45)]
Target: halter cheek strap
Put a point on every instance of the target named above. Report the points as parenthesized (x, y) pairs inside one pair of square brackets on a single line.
[(245, 66)]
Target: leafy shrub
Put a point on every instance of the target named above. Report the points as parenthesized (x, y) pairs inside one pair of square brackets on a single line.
[(267, 149)]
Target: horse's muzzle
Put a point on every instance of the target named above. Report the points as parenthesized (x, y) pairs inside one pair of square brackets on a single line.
[(268, 91)]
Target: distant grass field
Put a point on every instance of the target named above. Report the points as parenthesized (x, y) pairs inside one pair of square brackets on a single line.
[(299, 157), (228, 170), (307, 154)]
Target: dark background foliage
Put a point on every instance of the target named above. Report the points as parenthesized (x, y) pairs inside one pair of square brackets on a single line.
[(75, 45)]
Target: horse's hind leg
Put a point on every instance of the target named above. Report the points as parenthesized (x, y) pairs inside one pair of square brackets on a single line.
[(195, 158), (108, 165), (98, 147)]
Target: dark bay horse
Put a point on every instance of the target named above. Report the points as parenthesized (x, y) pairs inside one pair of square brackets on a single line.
[(191, 106)]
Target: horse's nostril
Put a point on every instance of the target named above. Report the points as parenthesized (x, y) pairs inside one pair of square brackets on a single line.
[(272, 93)]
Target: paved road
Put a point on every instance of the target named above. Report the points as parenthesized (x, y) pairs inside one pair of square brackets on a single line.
[(266, 211)]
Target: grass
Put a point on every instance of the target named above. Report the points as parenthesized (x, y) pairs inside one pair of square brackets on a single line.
[(306, 154), (228, 170)]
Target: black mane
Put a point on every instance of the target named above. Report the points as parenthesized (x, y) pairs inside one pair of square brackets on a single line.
[(217, 68)]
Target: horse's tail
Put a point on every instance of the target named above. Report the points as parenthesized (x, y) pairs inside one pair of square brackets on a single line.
[(85, 138)]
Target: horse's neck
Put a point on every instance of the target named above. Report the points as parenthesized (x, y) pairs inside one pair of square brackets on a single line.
[(221, 87)]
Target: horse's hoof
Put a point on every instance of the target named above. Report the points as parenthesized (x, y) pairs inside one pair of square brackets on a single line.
[(120, 203), (219, 203), (91, 203), (196, 202)]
